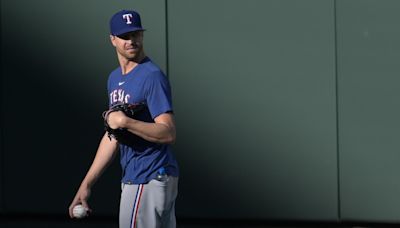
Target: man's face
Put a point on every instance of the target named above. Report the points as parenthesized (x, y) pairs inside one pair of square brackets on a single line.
[(129, 45)]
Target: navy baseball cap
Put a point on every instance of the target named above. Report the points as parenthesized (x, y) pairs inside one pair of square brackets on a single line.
[(125, 21)]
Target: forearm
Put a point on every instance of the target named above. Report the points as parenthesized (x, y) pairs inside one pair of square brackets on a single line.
[(153, 132), (105, 154)]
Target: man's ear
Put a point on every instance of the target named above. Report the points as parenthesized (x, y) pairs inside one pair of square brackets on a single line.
[(112, 39)]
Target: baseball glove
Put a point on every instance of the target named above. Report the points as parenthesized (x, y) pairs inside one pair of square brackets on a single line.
[(130, 110)]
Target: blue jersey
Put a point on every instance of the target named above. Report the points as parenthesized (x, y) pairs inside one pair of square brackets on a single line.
[(146, 83)]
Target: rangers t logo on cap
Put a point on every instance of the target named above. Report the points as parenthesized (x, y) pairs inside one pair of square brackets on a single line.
[(127, 17)]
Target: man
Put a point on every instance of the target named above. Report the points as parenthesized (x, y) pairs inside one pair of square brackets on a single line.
[(149, 169)]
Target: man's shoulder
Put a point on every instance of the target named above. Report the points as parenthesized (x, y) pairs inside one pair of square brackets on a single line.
[(114, 73), (150, 67)]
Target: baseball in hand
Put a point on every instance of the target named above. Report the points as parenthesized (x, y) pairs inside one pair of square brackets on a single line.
[(79, 211)]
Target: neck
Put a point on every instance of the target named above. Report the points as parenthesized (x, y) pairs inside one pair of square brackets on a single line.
[(129, 64)]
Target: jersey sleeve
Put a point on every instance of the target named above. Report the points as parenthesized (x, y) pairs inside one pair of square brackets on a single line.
[(158, 94), (109, 90)]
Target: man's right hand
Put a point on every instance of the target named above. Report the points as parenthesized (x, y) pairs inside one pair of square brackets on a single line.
[(81, 197), (104, 156)]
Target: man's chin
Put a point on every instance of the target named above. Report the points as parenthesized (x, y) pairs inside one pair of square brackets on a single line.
[(133, 52), (131, 55)]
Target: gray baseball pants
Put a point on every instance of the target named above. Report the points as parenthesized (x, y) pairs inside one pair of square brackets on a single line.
[(150, 205)]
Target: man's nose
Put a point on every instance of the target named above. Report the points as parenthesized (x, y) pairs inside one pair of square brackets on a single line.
[(129, 39)]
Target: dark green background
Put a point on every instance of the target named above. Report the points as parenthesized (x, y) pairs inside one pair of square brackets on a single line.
[(285, 109)]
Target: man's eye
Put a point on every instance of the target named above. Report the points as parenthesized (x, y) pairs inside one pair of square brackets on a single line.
[(124, 37)]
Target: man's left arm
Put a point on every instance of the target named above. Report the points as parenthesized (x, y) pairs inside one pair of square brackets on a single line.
[(161, 131)]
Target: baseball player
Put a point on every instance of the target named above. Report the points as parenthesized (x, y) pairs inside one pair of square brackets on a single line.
[(149, 169)]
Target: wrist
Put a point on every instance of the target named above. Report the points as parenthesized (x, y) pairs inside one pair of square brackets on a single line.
[(86, 184), (128, 123)]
